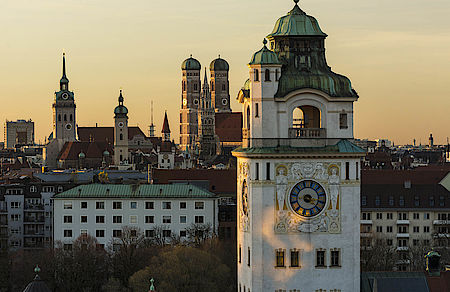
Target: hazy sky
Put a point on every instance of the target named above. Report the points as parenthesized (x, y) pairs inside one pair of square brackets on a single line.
[(396, 53)]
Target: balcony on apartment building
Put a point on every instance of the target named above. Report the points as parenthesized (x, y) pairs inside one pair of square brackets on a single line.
[(402, 248), (441, 222), (403, 222), (33, 207), (364, 221), (402, 235), (34, 219), (33, 243)]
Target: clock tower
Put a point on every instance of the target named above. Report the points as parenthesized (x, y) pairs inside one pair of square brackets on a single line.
[(120, 132), (64, 121), (298, 170)]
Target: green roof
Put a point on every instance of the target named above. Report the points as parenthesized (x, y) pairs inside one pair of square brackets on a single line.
[(297, 23), (342, 147), (219, 65), (190, 64), (135, 191), (264, 57)]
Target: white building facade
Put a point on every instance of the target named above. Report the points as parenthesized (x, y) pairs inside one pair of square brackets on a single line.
[(298, 173), (103, 210)]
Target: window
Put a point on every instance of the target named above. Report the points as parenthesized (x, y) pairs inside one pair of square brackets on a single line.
[(379, 228), (347, 170), (402, 242), (117, 233), (295, 258), (256, 75), (426, 229), (15, 205), (67, 205), (240, 254), (416, 201), (320, 258), (391, 200), (117, 205), (149, 233), (416, 216), (182, 205), (256, 171), (166, 205), (379, 216), (276, 75), (267, 75), (415, 242), (99, 233), (199, 219), (33, 189), (149, 219), (182, 233), (279, 258), (389, 242), (99, 219), (426, 216), (83, 219), (149, 205), (416, 229), (65, 116), (364, 200), (431, 201), (182, 219), (335, 258), (59, 118), (67, 219), (133, 205), (83, 232), (402, 216), (199, 205), (377, 200), (121, 136), (84, 205), (343, 121), (366, 216), (389, 229), (389, 216), (167, 233), (402, 229), (167, 219), (67, 232), (16, 217), (402, 201), (357, 170), (133, 219), (99, 205), (268, 171), (117, 219)]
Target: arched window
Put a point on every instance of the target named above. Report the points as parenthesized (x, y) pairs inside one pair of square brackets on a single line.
[(212, 86), (184, 85), (59, 118), (70, 117), (256, 73), (195, 86), (121, 157), (121, 136), (248, 117), (65, 117), (267, 75)]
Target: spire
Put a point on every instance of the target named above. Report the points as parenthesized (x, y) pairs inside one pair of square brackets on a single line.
[(205, 80), (165, 127), (151, 128), (64, 82), (120, 98)]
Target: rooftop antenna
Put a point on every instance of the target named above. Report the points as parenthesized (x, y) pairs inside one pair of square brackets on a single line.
[(151, 128)]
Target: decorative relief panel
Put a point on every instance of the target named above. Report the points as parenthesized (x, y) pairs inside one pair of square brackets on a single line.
[(244, 205), (304, 185)]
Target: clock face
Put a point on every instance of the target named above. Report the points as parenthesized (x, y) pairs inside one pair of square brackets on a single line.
[(224, 101), (120, 124), (65, 95), (245, 198), (184, 101), (68, 126), (307, 198)]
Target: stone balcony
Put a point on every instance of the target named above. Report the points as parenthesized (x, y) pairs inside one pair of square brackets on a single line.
[(307, 133)]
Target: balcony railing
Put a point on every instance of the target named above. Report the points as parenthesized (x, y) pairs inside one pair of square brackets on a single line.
[(364, 221), (34, 233), (403, 235), (29, 219), (400, 222), (402, 248), (34, 207), (305, 133), (441, 222)]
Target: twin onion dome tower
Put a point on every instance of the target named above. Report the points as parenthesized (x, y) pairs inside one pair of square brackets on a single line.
[(298, 173)]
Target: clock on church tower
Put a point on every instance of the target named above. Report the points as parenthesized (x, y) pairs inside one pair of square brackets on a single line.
[(298, 171)]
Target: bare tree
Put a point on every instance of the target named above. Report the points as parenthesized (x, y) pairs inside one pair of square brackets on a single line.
[(198, 233)]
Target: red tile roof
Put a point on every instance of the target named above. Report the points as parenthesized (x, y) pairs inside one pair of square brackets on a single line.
[(229, 127), (104, 134), (220, 181), (417, 176), (71, 150)]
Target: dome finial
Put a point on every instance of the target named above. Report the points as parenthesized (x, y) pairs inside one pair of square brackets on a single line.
[(191, 55), (264, 42), (37, 270), (296, 1)]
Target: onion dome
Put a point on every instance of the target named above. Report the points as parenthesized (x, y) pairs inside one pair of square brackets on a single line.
[(297, 23), (106, 153), (191, 64), (81, 155), (264, 57), (120, 109), (219, 65), (37, 285)]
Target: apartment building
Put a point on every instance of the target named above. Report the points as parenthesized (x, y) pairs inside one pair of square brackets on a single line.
[(405, 209), (102, 210)]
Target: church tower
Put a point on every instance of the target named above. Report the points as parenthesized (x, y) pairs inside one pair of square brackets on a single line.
[(64, 121), (298, 172), (220, 89), (120, 133), (190, 97), (207, 140)]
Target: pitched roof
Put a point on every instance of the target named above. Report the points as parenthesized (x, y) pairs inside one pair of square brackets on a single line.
[(104, 134), (71, 150), (135, 191), (229, 127), (165, 127), (216, 181)]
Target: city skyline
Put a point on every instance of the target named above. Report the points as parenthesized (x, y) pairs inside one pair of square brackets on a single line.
[(394, 54)]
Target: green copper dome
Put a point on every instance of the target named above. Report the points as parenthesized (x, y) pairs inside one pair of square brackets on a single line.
[(219, 65), (297, 23), (191, 64), (120, 109), (264, 57)]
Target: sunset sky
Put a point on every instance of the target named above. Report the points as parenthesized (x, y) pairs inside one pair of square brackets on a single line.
[(396, 53)]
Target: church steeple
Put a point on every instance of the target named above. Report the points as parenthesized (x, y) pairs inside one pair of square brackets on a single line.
[(64, 82)]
